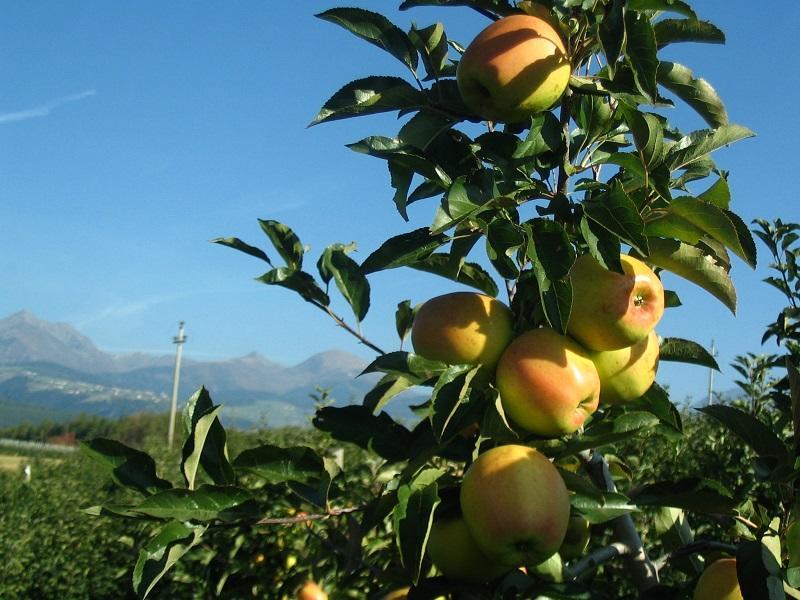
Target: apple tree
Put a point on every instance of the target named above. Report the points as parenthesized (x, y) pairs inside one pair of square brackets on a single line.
[(517, 197)]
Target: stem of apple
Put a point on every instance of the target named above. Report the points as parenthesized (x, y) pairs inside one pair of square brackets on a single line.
[(642, 569)]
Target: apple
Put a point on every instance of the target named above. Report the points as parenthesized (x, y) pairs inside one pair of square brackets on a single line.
[(719, 582), (612, 310), (311, 591), (627, 373), (462, 328), (454, 552), (515, 504), (548, 384), (516, 67)]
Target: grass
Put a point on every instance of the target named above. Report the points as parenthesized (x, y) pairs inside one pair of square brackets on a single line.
[(13, 463)]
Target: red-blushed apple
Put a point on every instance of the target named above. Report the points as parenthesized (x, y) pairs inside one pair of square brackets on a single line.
[(455, 553), (462, 328), (627, 373), (515, 504), (311, 591), (613, 310), (548, 384), (719, 582), (516, 67)]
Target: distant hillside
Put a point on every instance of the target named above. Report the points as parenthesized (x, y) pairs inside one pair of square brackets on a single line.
[(51, 368)]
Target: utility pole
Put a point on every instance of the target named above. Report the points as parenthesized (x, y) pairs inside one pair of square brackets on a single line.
[(711, 375), (179, 340)]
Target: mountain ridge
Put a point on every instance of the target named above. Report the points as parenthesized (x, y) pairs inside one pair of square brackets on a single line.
[(52, 365)]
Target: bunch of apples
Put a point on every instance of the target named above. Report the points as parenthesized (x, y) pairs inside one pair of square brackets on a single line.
[(514, 505)]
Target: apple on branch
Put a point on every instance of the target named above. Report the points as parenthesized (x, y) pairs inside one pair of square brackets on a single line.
[(516, 67)]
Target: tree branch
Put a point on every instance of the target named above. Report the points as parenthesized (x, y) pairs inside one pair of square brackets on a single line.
[(594, 560), (639, 565), (303, 518)]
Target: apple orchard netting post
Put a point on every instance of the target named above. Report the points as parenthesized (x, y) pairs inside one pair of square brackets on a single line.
[(179, 340)]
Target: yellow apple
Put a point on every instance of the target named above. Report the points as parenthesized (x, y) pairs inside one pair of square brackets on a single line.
[(311, 591), (719, 582), (516, 67), (548, 384), (462, 328), (454, 552), (515, 504), (612, 310), (627, 373)]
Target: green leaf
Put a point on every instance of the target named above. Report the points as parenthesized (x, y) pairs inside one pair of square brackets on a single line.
[(685, 351), (387, 388), (716, 223), (666, 224), (423, 128), (402, 250), (749, 429), (162, 552), (471, 274), (458, 204), (695, 265), (648, 135), (641, 52), (206, 503), (431, 42), (375, 29), (503, 239), (401, 153), (656, 401), (676, 6), (205, 445), (603, 244), (624, 427), (500, 7), (129, 467), (612, 34), (413, 517), (349, 278), (403, 319), (357, 425), (758, 571), (552, 248), (369, 96), (670, 31), (696, 92), (544, 135), (449, 395), (406, 364), (400, 179), (297, 281), (698, 144), (699, 495), (616, 211), (719, 194), (602, 509), (277, 464), (237, 244), (285, 241)]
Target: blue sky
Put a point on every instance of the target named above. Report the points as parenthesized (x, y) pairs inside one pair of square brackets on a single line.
[(133, 133)]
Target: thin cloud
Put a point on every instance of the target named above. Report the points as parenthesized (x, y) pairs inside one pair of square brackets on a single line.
[(44, 109)]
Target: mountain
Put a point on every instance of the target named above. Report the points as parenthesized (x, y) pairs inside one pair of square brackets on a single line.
[(53, 368)]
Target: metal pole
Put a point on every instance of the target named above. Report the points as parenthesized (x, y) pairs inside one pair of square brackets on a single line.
[(179, 340), (711, 376)]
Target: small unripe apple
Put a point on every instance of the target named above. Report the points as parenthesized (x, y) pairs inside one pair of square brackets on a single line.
[(453, 551), (516, 67), (311, 591), (611, 310), (719, 582), (515, 504), (462, 328), (627, 373), (548, 384)]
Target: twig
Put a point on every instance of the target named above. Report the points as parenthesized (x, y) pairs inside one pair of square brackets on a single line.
[(566, 110), (334, 512), (641, 568), (341, 323)]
